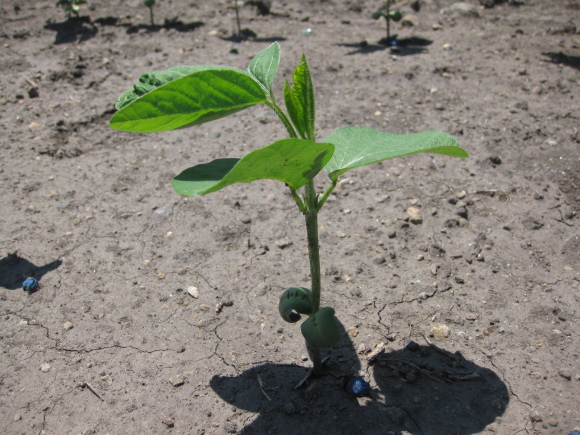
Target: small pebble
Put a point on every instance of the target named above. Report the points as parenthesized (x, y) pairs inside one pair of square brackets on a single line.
[(167, 421), (67, 326), (289, 408), (193, 292), (415, 215), (177, 381), (45, 368), (440, 331), (565, 374), (283, 243)]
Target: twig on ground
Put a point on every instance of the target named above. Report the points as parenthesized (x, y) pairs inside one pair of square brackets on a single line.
[(262, 388), (90, 387)]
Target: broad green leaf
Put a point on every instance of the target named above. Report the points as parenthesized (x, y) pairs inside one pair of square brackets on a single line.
[(360, 146), (265, 65), (293, 302), (151, 80), (299, 100), (190, 100), (292, 161), (321, 329)]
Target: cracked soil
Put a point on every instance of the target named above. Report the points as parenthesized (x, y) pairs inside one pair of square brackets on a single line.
[(466, 269)]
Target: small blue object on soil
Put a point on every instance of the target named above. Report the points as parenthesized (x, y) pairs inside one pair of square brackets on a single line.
[(575, 432), (358, 386), (30, 285)]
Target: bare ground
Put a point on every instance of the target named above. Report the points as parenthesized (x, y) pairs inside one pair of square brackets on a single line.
[(476, 302)]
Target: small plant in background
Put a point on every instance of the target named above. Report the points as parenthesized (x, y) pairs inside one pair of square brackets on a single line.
[(191, 95), (238, 25), (150, 4), (71, 7), (389, 14)]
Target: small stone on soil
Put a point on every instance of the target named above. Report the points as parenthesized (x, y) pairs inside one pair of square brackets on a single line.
[(45, 368), (440, 331), (415, 215), (177, 381), (167, 421), (67, 326), (289, 408)]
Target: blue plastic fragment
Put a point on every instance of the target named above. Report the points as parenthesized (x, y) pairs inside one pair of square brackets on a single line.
[(30, 284), (358, 387), (575, 432)]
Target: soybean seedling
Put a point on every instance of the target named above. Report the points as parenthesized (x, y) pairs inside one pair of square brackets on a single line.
[(389, 14), (185, 96), (71, 6), (150, 4)]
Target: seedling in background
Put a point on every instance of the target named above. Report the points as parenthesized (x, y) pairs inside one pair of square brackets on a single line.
[(150, 4), (395, 15), (238, 25), (71, 6), (185, 96)]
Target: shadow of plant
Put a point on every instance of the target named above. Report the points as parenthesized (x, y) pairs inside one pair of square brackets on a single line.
[(561, 58), (74, 29), (173, 23), (250, 35), (424, 391), (400, 47), (439, 391), (14, 270)]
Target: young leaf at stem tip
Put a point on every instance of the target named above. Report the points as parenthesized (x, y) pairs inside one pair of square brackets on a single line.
[(299, 100)]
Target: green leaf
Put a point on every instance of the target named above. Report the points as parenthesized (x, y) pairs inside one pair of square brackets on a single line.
[(193, 99), (292, 161), (300, 100), (265, 65), (360, 146), (293, 302), (321, 329), (151, 80)]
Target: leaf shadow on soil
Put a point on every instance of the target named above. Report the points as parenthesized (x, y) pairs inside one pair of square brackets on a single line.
[(168, 24), (14, 269), (250, 35), (405, 46), (561, 58), (426, 390), (74, 29)]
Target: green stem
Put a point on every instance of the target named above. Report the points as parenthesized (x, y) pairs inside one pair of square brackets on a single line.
[(388, 17), (287, 123), (238, 19), (324, 197), (311, 217), (298, 200), (151, 16)]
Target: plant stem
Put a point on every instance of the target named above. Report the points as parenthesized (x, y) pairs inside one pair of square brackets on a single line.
[(388, 17), (238, 18), (151, 16), (311, 217)]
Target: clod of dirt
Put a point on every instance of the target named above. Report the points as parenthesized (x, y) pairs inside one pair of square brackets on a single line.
[(439, 331)]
